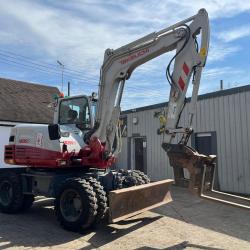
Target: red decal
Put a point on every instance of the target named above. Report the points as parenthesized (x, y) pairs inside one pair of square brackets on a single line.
[(32, 156), (134, 56), (69, 142), (181, 83), (24, 140), (185, 68)]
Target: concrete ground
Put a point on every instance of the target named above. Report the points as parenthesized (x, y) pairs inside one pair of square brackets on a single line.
[(186, 223)]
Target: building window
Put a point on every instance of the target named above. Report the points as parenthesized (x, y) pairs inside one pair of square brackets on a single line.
[(205, 143), (123, 125)]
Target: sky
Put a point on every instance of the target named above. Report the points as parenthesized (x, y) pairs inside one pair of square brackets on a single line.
[(35, 34)]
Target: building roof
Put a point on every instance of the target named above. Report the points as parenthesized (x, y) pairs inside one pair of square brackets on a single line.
[(25, 102), (219, 93)]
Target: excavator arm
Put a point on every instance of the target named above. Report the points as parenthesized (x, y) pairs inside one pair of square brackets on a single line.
[(119, 64), (190, 40), (185, 38)]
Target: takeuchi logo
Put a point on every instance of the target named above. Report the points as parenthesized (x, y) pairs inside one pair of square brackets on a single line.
[(134, 56), (24, 140), (69, 142)]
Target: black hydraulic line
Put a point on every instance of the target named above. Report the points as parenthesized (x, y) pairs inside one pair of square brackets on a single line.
[(168, 74)]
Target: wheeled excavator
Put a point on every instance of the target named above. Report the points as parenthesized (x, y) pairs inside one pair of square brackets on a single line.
[(71, 160)]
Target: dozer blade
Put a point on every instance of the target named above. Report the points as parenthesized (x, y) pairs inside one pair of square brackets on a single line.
[(127, 202)]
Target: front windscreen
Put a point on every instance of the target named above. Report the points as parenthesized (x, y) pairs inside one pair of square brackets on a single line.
[(75, 111), (94, 109)]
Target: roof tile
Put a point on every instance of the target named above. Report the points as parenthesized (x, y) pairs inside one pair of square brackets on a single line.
[(25, 102)]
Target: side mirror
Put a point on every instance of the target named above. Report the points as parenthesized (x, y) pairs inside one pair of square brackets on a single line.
[(54, 132)]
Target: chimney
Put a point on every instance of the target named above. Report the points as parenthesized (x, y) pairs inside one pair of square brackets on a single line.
[(221, 84)]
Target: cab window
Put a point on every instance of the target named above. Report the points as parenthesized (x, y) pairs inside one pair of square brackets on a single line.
[(75, 111), (93, 109)]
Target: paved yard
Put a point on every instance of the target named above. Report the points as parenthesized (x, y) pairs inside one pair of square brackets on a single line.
[(186, 223)]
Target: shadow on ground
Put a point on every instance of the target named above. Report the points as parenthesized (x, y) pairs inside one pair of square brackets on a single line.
[(105, 234), (207, 214), (39, 228), (181, 246)]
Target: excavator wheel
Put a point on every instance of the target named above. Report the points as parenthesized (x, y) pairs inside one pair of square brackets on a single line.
[(76, 204), (132, 178), (118, 181), (11, 196), (144, 177), (101, 198), (28, 200)]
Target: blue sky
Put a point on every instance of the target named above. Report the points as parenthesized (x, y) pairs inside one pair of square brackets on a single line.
[(35, 34)]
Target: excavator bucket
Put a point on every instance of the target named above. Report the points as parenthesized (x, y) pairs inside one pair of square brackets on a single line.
[(127, 202), (202, 174)]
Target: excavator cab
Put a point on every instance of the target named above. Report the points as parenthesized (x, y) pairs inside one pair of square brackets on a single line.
[(74, 110)]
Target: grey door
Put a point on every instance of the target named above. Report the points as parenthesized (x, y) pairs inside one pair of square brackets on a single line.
[(140, 154), (206, 143)]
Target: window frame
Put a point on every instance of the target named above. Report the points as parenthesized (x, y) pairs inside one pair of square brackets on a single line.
[(74, 98)]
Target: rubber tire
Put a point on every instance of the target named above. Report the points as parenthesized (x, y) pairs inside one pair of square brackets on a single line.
[(144, 177), (101, 199), (27, 202), (89, 203), (16, 203), (119, 179), (131, 179)]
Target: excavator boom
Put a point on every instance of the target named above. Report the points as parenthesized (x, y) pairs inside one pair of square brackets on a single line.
[(119, 64), (190, 40)]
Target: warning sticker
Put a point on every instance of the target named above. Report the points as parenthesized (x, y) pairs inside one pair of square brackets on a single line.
[(203, 52), (39, 140), (172, 111)]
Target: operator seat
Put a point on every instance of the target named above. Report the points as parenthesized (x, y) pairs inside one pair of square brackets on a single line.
[(72, 115)]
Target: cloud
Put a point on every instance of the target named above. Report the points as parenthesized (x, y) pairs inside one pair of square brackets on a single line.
[(167, 11), (215, 8), (231, 77), (219, 51), (212, 73), (234, 34), (211, 77), (7, 37), (78, 32)]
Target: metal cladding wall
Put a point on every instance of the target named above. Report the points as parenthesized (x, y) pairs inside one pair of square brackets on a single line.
[(227, 113)]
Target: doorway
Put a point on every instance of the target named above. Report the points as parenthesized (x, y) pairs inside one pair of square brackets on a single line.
[(140, 154), (206, 143)]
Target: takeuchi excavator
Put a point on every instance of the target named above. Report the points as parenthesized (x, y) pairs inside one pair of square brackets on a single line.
[(71, 160)]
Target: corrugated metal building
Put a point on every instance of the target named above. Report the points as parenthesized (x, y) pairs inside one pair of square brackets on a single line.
[(221, 125)]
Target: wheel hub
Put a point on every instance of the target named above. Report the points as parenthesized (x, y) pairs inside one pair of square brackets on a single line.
[(71, 205)]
